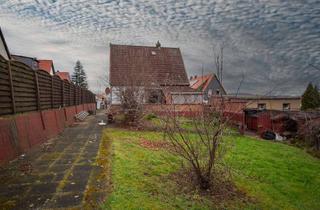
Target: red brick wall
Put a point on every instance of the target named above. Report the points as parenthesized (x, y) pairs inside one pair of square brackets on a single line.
[(234, 117), (19, 133)]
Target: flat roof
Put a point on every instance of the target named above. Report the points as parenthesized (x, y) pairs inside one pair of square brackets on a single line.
[(260, 97)]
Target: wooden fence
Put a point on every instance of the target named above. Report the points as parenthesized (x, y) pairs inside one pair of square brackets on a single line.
[(23, 89)]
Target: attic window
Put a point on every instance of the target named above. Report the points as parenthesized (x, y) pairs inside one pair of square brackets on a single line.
[(153, 53)]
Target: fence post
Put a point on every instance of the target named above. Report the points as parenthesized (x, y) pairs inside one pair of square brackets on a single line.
[(11, 88), (52, 92), (37, 90)]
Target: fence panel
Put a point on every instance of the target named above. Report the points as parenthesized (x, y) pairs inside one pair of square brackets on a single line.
[(66, 93), (24, 87), (5, 88), (44, 80), (71, 95), (77, 95), (57, 92)]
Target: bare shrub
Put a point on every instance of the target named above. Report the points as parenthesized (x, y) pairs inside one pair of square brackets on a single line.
[(131, 98), (200, 144), (310, 132)]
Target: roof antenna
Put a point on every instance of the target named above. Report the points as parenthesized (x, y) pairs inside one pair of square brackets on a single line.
[(158, 45)]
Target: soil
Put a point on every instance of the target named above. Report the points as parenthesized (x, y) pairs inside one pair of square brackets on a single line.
[(222, 191)]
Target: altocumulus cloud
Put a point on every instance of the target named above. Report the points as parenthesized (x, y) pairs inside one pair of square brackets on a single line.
[(271, 43)]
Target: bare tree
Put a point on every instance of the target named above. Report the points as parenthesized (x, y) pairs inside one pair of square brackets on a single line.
[(218, 60)]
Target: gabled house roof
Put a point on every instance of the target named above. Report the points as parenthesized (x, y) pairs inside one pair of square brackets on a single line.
[(47, 65), (146, 66), (5, 54), (63, 75), (200, 83)]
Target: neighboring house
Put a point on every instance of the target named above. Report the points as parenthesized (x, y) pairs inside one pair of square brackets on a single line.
[(32, 62), (64, 75), (281, 103), (4, 50), (47, 65), (208, 84), (157, 71)]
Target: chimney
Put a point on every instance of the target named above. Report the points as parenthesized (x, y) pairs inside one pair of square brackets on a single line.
[(195, 76), (158, 45), (191, 78)]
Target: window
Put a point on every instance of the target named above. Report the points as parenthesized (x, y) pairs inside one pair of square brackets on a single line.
[(153, 53), (218, 92), (286, 106), (262, 106), (155, 96)]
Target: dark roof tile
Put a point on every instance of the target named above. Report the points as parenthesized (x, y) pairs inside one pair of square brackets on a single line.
[(144, 66)]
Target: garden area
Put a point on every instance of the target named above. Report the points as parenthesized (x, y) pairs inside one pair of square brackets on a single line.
[(147, 174)]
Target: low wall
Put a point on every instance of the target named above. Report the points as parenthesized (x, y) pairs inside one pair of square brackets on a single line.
[(19, 133), (186, 110), (236, 118)]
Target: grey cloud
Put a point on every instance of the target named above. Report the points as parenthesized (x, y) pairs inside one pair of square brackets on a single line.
[(270, 42)]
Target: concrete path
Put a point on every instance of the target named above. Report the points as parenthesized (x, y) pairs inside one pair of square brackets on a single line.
[(59, 174)]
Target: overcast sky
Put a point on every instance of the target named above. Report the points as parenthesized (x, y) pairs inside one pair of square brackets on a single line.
[(270, 42)]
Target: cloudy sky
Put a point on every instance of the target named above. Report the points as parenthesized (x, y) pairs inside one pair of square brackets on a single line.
[(270, 43)]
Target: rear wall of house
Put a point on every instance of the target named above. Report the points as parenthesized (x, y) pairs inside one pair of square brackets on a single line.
[(275, 104)]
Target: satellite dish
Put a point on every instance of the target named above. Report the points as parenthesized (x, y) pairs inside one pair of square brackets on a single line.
[(107, 91)]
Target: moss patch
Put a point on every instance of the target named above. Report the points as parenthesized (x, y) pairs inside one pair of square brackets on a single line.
[(99, 183)]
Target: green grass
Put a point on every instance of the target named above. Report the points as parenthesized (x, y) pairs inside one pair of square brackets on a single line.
[(277, 176), (138, 175)]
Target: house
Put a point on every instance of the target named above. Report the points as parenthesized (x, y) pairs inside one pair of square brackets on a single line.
[(207, 84), (156, 71), (47, 65), (4, 50), (32, 62), (280, 103), (64, 75)]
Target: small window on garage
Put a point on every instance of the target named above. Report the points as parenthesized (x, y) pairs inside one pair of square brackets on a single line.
[(286, 106), (262, 106)]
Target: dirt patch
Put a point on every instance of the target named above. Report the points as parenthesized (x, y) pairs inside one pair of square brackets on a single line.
[(154, 145), (223, 192)]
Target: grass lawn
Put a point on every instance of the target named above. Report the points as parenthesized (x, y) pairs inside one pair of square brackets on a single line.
[(275, 175)]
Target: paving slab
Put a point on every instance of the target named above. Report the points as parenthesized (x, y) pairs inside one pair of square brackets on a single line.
[(57, 176)]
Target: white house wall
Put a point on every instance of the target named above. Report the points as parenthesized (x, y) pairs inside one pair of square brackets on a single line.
[(186, 99)]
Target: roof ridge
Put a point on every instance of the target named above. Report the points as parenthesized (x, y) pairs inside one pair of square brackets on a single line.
[(143, 46)]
